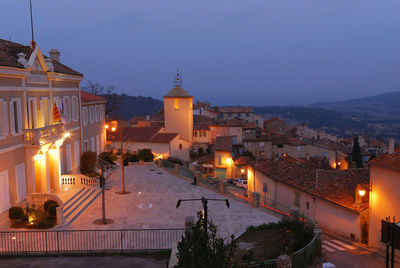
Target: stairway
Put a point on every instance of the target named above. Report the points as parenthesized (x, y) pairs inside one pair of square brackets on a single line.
[(75, 205)]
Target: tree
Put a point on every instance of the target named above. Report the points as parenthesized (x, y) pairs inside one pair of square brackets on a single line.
[(356, 153), (200, 249), (107, 92)]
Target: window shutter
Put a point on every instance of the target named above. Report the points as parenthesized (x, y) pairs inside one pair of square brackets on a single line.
[(19, 116), (12, 119), (5, 116)]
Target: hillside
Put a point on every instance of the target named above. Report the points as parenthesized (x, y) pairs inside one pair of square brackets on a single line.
[(384, 106), (128, 106)]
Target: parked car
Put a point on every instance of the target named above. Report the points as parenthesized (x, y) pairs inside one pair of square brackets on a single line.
[(242, 183)]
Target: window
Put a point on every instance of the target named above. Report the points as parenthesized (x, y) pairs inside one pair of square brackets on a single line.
[(67, 109), (219, 160), (91, 115), (31, 113), (261, 144), (77, 154), (75, 110), (15, 116), (195, 133), (297, 199), (176, 104), (85, 116), (261, 153), (238, 114), (102, 112), (44, 112), (96, 113), (86, 146), (280, 145), (3, 118), (247, 114), (308, 205), (180, 146)]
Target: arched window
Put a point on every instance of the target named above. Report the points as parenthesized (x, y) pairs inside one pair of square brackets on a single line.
[(176, 104)]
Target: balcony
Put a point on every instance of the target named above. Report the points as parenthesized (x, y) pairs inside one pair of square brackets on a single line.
[(39, 136)]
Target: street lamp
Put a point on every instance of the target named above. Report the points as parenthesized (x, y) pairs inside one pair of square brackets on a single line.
[(114, 129), (361, 192), (204, 201)]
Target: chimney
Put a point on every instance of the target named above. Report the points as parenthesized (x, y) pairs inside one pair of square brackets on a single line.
[(22, 59), (49, 64), (55, 55), (391, 145)]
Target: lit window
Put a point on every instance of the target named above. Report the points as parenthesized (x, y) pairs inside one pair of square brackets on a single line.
[(176, 104)]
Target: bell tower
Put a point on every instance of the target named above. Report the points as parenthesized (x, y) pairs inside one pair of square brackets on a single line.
[(178, 110)]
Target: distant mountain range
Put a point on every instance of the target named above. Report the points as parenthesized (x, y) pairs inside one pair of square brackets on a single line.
[(377, 116)]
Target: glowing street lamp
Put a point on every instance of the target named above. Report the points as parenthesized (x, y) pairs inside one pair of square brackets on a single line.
[(106, 126), (67, 135), (361, 192)]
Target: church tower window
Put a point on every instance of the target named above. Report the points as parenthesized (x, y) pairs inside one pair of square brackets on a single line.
[(176, 104)]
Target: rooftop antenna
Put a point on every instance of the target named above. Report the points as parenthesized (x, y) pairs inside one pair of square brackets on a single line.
[(177, 79), (33, 39)]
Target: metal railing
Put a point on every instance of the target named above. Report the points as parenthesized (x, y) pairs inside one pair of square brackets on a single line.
[(87, 241)]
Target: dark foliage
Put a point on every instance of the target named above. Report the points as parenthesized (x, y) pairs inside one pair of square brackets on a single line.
[(130, 158), (200, 249), (16, 213), (88, 164), (108, 157), (48, 203), (356, 153), (146, 155)]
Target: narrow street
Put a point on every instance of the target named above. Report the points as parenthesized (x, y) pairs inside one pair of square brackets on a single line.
[(345, 254)]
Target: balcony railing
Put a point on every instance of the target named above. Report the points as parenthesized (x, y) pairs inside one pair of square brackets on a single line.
[(39, 136)]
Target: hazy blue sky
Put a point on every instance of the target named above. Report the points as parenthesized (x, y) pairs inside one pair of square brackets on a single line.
[(229, 51)]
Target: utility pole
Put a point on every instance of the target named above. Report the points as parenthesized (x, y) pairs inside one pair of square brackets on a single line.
[(204, 201)]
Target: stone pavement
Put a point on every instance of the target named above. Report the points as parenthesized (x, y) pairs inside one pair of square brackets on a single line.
[(152, 204)]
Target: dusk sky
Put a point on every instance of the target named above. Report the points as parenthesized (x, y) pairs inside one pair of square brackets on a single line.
[(236, 52)]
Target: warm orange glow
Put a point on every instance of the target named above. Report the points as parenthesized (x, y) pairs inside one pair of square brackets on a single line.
[(113, 129), (229, 161), (242, 170), (53, 150), (106, 126), (339, 163), (361, 192), (67, 134), (334, 165), (284, 154), (39, 156), (176, 104)]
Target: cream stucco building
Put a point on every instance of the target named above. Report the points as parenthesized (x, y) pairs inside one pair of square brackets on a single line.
[(34, 148)]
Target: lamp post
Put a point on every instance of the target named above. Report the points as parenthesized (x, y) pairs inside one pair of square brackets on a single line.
[(120, 133), (204, 201)]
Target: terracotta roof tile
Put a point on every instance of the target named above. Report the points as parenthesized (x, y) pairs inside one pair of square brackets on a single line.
[(87, 97), (201, 126), (223, 143), (163, 137), (9, 58), (337, 186), (389, 161)]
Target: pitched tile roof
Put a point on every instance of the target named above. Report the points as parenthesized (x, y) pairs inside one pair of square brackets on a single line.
[(87, 97), (249, 125), (236, 109), (223, 143), (163, 137), (387, 160), (10, 50), (337, 186), (139, 134), (178, 92)]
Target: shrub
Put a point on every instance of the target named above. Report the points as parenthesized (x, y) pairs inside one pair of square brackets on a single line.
[(130, 158), (88, 164), (41, 220), (146, 155), (48, 203), (108, 156), (16, 213)]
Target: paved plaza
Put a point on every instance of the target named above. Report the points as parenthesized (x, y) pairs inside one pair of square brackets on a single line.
[(152, 204)]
